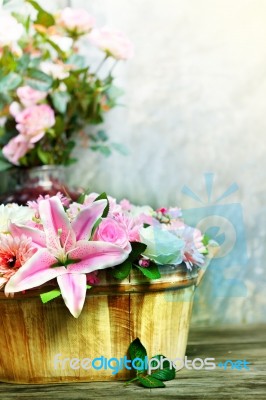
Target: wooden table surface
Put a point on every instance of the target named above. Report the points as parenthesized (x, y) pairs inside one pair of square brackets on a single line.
[(232, 343)]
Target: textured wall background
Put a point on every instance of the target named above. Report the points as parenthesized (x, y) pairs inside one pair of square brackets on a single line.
[(195, 98), (195, 102)]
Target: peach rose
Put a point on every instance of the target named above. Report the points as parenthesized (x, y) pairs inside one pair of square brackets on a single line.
[(16, 148), (113, 42), (76, 20), (34, 121), (29, 96)]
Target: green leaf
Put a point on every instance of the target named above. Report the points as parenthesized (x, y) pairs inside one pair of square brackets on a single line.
[(82, 196), (48, 296), (137, 249), (166, 373), (120, 148), (43, 18), (10, 82), (122, 271), (4, 165), (79, 62), (60, 101), (39, 80), (137, 350), (44, 156), (105, 150), (101, 135), (151, 272), (103, 196), (149, 382)]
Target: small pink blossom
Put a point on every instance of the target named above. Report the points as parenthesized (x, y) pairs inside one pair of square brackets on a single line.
[(29, 96), (111, 231), (76, 20), (35, 204), (113, 42), (126, 205), (34, 121), (16, 148), (144, 263), (92, 278), (14, 252)]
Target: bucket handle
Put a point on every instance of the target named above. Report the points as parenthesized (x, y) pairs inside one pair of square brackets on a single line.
[(213, 249)]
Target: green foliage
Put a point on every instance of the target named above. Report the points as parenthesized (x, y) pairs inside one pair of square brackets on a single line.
[(156, 378), (79, 96), (151, 272), (38, 80), (121, 271)]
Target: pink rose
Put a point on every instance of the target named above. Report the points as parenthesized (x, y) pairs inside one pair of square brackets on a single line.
[(113, 42), (34, 121), (28, 96), (111, 231), (16, 148), (76, 20)]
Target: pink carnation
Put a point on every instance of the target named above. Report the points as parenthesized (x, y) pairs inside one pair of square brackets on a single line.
[(113, 42), (29, 96), (76, 20), (16, 148), (34, 121)]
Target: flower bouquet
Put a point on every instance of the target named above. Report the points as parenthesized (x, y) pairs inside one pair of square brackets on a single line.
[(49, 90), (127, 267), (53, 238)]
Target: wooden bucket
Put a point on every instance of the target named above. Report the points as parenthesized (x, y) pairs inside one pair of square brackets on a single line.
[(36, 338)]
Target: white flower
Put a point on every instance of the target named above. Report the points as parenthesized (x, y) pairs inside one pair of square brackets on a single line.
[(10, 29), (15, 214), (162, 247), (2, 121), (63, 42), (57, 71)]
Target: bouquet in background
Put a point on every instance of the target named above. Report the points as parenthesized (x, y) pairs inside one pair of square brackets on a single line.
[(48, 91), (69, 243)]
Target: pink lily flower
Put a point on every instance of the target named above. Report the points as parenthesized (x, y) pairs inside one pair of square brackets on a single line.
[(65, 252)]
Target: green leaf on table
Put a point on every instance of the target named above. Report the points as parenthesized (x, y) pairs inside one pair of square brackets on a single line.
[(151, 272), (166, 373), (149, 381), (10, 82), (60, 101), (39, 80), (137, 350), (122, 271)]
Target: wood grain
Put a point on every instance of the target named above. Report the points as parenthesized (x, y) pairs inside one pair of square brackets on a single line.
[(247, 342)]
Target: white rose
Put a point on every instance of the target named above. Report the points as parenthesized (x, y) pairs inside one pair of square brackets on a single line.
[(10, 29)]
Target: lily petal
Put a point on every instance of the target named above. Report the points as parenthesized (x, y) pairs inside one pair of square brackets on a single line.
[(96, 255), (34, 272), (86, 219), (73, 289), (37, 236), (57, 228)]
